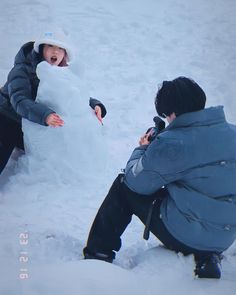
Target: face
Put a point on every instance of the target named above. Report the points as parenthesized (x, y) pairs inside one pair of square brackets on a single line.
[(171, 118), (53, 54)]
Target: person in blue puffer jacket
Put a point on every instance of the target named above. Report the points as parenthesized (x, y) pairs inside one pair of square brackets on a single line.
[(17, 96), (181, 185)]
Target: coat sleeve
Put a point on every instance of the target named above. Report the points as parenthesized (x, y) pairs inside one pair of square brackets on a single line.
[(152, 166), (20, 93), (95, 102)]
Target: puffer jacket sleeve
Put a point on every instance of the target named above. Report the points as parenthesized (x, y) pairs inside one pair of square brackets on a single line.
[(152, 166), (95, 102), (20, 93)]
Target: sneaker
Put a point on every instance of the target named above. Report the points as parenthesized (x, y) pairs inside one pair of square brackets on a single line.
[(99, 256), (208, 267)]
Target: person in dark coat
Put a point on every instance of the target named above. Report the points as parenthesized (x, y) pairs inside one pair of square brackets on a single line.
[(181, 185), (17, 96)]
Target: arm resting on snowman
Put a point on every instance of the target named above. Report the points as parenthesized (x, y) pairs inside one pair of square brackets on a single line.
[(20, 93), (94, 102)]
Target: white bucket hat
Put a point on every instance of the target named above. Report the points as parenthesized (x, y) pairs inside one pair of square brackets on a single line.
[(57, 38)]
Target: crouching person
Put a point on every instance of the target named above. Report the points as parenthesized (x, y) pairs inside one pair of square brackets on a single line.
[(181, 185)]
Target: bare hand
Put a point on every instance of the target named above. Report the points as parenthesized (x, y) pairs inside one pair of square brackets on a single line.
[(54, 120), (144, 139), (98, 113)]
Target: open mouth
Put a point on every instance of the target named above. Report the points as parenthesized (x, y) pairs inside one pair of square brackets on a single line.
[(53, 59)]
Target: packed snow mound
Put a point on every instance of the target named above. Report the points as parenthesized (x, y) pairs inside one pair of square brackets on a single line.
[(78, 148), (62, 91), (86, 277)]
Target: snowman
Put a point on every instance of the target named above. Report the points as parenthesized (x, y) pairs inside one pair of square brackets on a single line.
[(76, 150)]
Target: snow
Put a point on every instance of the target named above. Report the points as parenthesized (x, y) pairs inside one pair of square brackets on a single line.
[(78, 150), (48, 199)]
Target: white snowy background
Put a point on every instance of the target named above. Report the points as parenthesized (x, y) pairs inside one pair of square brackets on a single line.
[(48, 198)]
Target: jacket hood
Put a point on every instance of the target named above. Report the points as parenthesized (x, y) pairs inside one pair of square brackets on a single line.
[(27, 55)]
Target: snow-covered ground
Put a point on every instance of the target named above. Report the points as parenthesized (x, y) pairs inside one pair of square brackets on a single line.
[(124, 49)]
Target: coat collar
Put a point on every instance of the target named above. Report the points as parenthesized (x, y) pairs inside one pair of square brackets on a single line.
[(208, 116)]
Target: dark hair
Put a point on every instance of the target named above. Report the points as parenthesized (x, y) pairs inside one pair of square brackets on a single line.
[(41, 51), (179, 96)]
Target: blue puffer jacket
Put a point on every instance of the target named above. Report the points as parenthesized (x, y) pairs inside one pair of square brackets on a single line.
[(195, 159), (17, 96)]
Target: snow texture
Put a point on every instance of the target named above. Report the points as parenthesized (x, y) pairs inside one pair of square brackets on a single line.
[(50, 195), (76, 151)]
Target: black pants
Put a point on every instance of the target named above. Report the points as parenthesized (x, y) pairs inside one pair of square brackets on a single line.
[(11, 136), (115, 214)]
